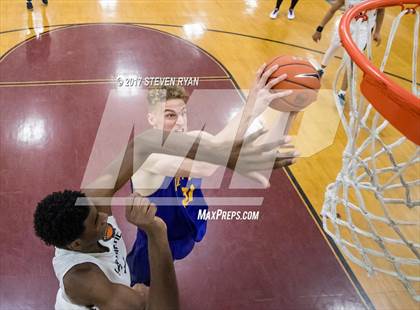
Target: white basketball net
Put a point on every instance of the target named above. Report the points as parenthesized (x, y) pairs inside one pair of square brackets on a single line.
[(372, 209)]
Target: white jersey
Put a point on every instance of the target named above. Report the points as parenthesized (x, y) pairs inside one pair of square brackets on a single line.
[(112, 263), (359, 29), (371, 15)]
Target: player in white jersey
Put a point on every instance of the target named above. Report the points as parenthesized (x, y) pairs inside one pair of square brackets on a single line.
[(90, 257), (90, 254), (360, 29)]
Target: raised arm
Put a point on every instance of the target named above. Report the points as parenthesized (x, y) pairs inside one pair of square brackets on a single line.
[(378, 26), (87, 285), (327, 17), (163, 293), (183, 145), (257, 102), (177, 166), (259, 98), (120, 170)]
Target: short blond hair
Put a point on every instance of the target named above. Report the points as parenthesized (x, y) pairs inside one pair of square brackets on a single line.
[(161, 94)]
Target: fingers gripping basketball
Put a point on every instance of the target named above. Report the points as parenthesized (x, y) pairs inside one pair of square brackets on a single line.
[(302, 78)]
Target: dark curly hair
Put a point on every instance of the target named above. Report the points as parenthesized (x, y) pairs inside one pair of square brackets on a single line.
[(57, 220)]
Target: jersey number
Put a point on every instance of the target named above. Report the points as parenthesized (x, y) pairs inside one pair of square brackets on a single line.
[(188, 195)]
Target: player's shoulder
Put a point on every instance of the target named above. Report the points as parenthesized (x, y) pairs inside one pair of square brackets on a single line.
[(82, 278), (79, 271), (85, 284)]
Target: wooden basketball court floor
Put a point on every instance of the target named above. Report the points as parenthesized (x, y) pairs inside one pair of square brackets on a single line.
[(58, 62)]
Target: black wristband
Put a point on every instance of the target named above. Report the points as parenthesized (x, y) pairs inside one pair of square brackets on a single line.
[(319, 28)]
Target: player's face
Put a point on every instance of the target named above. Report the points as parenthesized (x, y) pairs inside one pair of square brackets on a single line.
[(95, 226), (172, 117)]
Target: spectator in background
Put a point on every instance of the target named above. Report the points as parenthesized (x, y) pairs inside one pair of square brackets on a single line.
[(29, 5), (291, 12)]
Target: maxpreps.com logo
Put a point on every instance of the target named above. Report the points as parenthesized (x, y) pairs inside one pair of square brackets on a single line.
[(220, 214)]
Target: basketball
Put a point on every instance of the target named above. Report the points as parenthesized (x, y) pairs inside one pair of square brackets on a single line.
[(302, 78)]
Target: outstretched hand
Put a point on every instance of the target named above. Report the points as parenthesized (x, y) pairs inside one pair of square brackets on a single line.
[(141, 212), (249, 159), (261, 93)]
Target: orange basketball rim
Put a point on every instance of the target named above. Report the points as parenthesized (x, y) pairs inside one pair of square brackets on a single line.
[(400, 107)]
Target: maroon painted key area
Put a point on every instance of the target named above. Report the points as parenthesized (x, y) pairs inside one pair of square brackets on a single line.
[(47, 131)]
